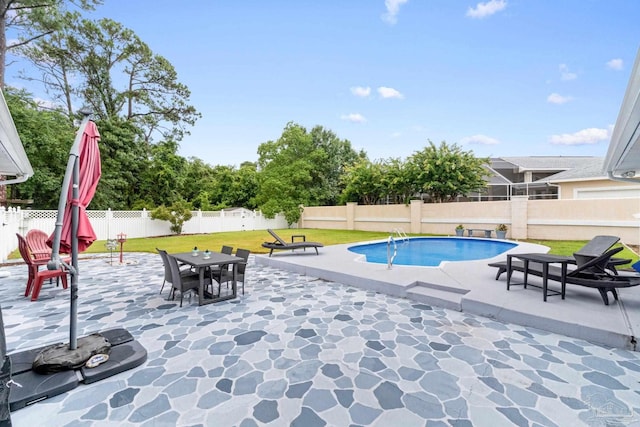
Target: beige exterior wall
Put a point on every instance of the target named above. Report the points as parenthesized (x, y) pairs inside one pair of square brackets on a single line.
[(570, 219), (383, 218), (598, 189), (333, 217), (442, 218), (582, 219)]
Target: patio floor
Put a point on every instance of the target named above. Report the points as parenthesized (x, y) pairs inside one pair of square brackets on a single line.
[(297, 350)]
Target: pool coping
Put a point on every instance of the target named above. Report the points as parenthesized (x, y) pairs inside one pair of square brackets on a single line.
[(399, 242), (470, 287)]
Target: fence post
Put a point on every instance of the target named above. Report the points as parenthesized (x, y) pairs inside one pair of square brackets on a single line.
[(145, 220), (519, 217), (416, 216), (351, 215), (109, 217)]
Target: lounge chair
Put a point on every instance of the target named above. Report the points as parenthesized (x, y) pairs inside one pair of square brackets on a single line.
[(592, 274), (592, 249), (280, 244)]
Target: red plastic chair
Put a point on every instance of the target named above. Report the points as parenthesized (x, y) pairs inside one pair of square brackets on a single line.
[(37, 243), (36, 277)]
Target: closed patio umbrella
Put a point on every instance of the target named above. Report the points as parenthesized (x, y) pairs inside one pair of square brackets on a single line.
[(58, 368), (73, 232), (89, 176)]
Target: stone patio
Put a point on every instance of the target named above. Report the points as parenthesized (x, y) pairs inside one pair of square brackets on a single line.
[(296, 350)]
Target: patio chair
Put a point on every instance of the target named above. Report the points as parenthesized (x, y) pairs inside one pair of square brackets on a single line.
[(182, 282), (167, 270), (592, 249), (214, 270), (227, 274), (593, 273), (35, 276), (280, 244), (37, 244), (37, 241)]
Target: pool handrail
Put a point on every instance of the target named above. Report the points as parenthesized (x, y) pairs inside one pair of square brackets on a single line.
[(390, 257)]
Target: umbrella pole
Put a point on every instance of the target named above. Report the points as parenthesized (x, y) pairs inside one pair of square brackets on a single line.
[(71, 174), (73, 316)]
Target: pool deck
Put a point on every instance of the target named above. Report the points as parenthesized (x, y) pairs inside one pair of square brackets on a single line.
[(470, 287), (299, 351)]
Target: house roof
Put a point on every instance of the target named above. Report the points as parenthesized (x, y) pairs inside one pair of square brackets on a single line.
[(13, 159), (588, 170), (548, 163)]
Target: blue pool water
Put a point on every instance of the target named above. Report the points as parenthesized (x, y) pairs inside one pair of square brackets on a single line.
[(431, 251)]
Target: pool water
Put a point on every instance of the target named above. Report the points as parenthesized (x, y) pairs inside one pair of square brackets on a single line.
[(431, 251)]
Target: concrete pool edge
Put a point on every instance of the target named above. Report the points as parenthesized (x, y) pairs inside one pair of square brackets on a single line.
[(470, 287), (413, 252)]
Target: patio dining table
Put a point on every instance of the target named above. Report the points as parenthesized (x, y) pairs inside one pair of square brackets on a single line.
[(201, 262)]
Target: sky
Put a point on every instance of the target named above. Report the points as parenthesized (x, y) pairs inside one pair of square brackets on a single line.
[(499, 77)]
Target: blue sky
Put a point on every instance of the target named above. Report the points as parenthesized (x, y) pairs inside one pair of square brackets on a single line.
[(500, 78)]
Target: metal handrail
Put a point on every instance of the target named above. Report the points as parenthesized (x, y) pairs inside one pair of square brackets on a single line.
[(401, 234), (390, 257)]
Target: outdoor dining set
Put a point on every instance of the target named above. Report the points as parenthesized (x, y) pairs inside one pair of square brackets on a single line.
[(198, 271), (201, 272)]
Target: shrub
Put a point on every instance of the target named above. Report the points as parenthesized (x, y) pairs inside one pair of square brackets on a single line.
[(177, 214)]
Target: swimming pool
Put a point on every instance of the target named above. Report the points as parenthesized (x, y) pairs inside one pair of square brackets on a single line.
[(431, 251)]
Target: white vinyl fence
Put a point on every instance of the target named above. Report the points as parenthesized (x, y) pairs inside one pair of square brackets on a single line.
[(108, 224)]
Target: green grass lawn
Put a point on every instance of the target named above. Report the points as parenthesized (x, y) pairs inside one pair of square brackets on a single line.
[(252, 240)]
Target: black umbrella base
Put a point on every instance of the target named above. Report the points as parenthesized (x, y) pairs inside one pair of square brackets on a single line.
[(31, 387)]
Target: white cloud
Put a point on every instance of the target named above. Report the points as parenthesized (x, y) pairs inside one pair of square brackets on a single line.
[(583, 137), (360, 91), (482, 10), (479, 139), (566, 74), (353, 118), (389, 92), (615, 64), (393, 7), (556, 98)]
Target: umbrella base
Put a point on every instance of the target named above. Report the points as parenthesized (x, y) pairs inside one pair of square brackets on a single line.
[(126, 353)]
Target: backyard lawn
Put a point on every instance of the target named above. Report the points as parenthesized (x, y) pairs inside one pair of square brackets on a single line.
[(252, 240)]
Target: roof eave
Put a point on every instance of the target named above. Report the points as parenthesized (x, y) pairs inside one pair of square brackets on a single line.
[(622, 160), (11, 150)]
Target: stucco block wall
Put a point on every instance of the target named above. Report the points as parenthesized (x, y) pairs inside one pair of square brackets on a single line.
[(442, 218), (567, 219)]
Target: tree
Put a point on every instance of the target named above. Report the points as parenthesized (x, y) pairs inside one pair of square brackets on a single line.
[(446, 172), (31, 20), (287, 170), (47, 137), (124, 165), (339, 155), (363, 182), (396, 182), (244, 186), (199, 183), (115, 73), (301, 169), (164, 180)]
